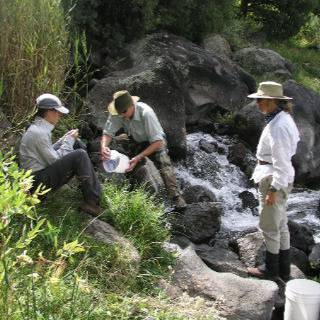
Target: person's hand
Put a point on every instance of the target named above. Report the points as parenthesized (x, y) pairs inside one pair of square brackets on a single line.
[(271, 198), (105, 153), (73, 133), (133, 162)]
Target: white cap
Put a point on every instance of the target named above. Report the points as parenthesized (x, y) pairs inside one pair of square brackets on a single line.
[(49, 101)]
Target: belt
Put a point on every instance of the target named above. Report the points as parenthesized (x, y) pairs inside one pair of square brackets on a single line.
[(261, 162)]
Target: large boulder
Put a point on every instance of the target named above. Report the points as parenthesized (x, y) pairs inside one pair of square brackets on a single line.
[(237, 298), (221, 259), (105, 233), (249, 123), (182, 82), (306, 113), (199, 222), (217, 45), (301, 236), (251, 249), (263, 62)]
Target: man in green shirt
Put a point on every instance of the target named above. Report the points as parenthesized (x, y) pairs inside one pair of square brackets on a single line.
[(142, 125)]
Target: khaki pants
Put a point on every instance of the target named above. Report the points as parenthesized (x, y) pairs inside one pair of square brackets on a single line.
[(273, 218)]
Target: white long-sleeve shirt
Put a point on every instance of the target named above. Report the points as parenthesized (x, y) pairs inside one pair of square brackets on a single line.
[(36, 149), (277, 145)]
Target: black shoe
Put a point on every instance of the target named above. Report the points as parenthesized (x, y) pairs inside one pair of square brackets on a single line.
[(92, 209)]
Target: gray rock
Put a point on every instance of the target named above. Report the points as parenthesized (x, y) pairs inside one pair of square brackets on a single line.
[(300, 259), (198, 193), (148, 175), (105, 233), (306, 113), (207, 146), (221, 260), (248, 200), (301, 236), (251, 249), (260, 61), (217, 45), (242, 157), (314, 257), (199, 222), (236, 297)]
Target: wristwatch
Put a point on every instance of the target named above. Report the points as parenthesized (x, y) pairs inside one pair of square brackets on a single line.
[(272, 189)]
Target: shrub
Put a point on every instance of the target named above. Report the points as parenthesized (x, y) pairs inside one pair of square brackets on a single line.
[(280, 19), (33, 53)]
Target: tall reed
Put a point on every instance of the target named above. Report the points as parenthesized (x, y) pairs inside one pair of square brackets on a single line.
[(33, 53)]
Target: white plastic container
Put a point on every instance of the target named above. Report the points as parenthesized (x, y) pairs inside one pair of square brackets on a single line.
[(118, 162), (302, 300)]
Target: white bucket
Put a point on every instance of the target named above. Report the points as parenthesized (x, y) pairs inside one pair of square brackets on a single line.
[(302, 300)]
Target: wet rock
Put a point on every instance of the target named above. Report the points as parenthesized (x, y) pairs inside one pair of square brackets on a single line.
[(248, 200), (198, 193), (236, 297), (242, 157), (199, 222), (301, 236), (207, 146)]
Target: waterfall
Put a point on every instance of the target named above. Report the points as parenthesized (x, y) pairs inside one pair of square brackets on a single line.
[(214, 172)]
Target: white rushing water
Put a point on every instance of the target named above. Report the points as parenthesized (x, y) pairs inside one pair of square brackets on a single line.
[(226, 181)]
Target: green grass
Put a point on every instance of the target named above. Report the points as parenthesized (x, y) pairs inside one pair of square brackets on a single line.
[(306, 63)]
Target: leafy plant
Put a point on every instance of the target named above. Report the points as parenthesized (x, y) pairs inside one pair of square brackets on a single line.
[(33, 53)]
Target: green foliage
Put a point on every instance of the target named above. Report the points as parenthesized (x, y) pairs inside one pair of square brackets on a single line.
[(281, 18), (306, 63), (139, 216), (112, 22), (33, 53), (309, 34), (194, 19), (117, 22)]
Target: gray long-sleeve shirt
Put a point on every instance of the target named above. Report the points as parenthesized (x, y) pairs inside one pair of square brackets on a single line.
[(36, 150)]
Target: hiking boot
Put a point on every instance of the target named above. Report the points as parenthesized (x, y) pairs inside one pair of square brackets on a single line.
[(91, 208), (269, 271), (285, 265), (179, 203)]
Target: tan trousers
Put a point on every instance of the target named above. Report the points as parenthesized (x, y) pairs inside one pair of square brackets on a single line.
[(273, 218)]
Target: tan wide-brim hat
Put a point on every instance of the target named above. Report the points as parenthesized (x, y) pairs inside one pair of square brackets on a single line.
[(124, 99), (269, 90)]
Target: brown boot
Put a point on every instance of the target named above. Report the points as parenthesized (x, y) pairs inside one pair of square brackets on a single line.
[(91, 208)]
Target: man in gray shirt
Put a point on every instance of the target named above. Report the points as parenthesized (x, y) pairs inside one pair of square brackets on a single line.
[(54, 165), (141, 124)]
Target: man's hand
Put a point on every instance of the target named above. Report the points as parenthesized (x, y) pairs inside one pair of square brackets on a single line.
[(73, 133), (105, 153), (133, 162), (271, 198)]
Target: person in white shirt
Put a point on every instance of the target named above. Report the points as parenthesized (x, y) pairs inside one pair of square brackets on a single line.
[(274, 175), (53, 165)]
